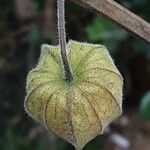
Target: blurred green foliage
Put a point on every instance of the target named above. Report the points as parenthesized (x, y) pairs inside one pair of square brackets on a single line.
[(13, 140), (39, 4), (145, 106), (102, 31)]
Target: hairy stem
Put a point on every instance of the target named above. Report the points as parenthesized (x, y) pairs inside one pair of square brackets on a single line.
[(62, 39)]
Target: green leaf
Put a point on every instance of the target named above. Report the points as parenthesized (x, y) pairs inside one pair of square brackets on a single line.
[(103, 31), (145, 106)]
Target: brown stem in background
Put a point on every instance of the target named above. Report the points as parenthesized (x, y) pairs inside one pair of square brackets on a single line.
[(119, 14)]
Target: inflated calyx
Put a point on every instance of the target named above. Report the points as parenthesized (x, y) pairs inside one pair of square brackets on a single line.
[(78, 110)]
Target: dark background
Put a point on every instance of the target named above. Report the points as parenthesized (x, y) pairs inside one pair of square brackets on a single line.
[(24, 26)]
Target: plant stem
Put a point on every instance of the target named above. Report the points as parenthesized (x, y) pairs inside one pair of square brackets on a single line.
[(62, 39)]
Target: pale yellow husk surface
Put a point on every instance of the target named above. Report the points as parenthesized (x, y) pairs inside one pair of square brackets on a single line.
[(78, 110)]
